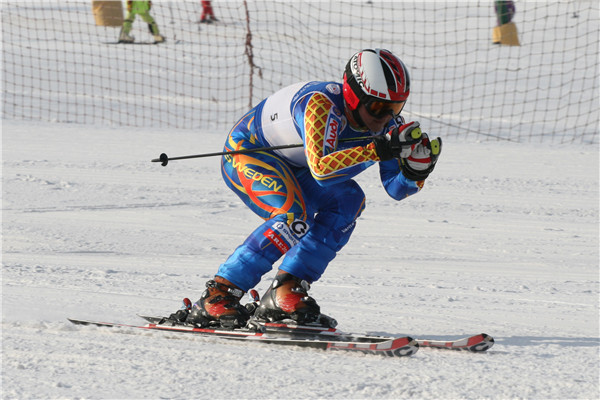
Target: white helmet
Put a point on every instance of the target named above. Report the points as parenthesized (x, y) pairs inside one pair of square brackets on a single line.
[(377, 79)]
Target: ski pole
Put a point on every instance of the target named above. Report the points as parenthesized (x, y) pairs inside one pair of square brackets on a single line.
[(163, 159)]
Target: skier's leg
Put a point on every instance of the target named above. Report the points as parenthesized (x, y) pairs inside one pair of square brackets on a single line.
[(127, 24), (152, 26), (338, 206), (267, 185), (206, 11)]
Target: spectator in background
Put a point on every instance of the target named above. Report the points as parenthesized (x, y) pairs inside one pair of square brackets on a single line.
[(505, 32), (505, 10), (208, 16), (141, 8)]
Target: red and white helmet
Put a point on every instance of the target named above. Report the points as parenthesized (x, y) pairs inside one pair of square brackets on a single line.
[(377, 79)]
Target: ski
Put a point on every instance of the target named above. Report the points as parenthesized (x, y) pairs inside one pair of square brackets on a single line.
[(476, 343), (392, 347), (144, 43), (133, 43)]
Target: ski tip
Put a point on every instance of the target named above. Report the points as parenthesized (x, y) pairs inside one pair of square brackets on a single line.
[(476, 343), (487, 337), (78, 321), (483, 343), (86, 322), (394, 347), (151, 319)]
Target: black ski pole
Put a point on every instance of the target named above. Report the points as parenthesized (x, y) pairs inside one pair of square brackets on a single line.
[(163, 159)]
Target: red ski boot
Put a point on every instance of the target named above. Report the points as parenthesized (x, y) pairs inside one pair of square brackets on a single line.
[(219, 306), (288, 298)]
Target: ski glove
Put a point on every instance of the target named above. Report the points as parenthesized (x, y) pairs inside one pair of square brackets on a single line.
[(421, 161), (398, 142)]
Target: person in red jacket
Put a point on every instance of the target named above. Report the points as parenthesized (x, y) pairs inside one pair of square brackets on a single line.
[(208, 16)]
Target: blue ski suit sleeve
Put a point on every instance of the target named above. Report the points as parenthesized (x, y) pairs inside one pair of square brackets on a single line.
[(395, 183)]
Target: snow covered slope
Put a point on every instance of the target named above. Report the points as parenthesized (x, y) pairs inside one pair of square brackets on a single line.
[(502, 240)]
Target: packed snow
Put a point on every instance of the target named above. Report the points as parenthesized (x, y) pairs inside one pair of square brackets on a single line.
[(503, 239)]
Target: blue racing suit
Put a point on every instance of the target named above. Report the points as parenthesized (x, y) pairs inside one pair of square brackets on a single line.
[(305, 195)]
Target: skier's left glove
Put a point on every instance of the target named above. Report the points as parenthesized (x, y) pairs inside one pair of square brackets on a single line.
[(419, 164)]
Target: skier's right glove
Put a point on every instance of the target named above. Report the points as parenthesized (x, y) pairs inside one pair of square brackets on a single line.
[(398, 142)]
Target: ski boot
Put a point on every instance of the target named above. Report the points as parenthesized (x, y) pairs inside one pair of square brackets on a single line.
[(125, 38), (219, 306), (288, 298)]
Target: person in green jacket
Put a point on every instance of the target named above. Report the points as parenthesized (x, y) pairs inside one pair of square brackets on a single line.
[(505, 32), (505, 10), (141, 8)]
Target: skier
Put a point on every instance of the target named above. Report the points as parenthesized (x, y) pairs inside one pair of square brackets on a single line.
[(208, 15), (307, 196), (505, 11), (505, 32), (141, 8)]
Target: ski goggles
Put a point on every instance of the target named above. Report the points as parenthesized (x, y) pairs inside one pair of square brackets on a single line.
[(380, 109)]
